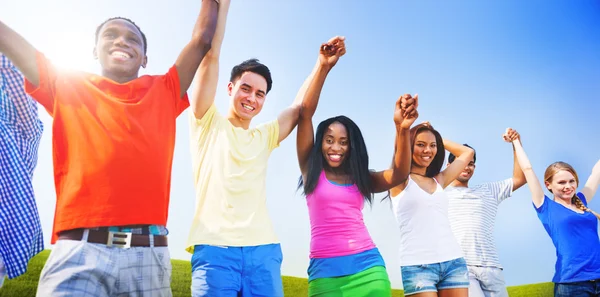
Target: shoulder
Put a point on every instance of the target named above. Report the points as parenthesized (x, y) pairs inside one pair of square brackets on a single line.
[(268, 127), (582, 198)]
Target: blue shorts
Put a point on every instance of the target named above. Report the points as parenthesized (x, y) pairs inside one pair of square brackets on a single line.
[(451, 274), (237, 271)]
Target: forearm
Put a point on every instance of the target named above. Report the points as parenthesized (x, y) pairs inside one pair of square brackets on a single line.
[(207, 75), (402, 156), (535, 187), (596, 169), (219, 35), (311, 91), (591, 186), (194, 52), (305, 103), (205, 26), (518, 175), (455, 148)]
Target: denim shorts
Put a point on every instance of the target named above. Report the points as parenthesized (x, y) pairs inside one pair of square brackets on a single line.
[(585, 288), (451, 274)]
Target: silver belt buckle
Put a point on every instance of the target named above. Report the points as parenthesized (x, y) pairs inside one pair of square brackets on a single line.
[(120, 240)]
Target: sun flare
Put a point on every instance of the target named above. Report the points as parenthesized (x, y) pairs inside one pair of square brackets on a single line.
[(72, 50)]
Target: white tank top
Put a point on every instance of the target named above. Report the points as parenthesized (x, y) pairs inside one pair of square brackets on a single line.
[(425, 234)]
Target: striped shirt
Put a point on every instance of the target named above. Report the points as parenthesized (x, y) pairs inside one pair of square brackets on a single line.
[(472, 213), (20, 133)]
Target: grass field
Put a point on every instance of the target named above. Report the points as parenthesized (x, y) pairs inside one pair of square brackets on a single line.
[(26, 284)]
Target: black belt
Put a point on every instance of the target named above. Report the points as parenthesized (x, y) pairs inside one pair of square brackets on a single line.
[(115, 239)]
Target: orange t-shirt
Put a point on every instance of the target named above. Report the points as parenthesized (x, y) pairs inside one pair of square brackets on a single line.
[(112, 145)]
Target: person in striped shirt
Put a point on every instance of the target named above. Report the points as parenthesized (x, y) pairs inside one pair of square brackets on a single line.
[(472, 214), (21, 129)]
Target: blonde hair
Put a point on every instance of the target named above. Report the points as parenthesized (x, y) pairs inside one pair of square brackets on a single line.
[(558, 166)]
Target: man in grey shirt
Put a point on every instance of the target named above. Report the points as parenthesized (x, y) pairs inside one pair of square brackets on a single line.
[(472, 214)]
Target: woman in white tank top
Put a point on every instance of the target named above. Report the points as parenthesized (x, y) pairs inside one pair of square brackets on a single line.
[(431, 260)]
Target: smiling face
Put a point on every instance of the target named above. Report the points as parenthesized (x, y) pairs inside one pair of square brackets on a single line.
[(424, 149), (248, 95), (467, 172), (561, 180), (120, 49), (562, 184), (336, 144)]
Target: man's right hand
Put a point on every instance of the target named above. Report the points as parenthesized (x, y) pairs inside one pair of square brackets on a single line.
[(330, 52)]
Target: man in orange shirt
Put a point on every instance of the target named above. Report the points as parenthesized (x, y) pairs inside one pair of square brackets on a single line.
[(113, 140)]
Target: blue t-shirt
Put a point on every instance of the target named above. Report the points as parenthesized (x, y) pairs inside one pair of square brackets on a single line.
[(575, 237)]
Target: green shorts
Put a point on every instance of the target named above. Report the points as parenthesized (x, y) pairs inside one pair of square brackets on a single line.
[(373, 282)]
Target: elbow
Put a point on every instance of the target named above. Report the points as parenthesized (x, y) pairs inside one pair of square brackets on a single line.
[(398, 178), (212, 55), (304, 113), (296, 111), (202, 41), (527, 169), (470, 153)]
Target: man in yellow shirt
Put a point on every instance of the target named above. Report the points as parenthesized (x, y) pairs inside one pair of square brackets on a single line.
[(235, 249)]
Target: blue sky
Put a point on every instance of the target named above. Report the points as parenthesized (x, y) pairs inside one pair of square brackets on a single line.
[(478, 67)]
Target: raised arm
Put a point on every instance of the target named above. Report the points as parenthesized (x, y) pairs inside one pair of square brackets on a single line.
[(591, 186), (204, 30), (25, 114), (463, 154), (537, 191), (20, 52), (306, 100), (312, 91), (405, 115), (207, 75), (518, 176)]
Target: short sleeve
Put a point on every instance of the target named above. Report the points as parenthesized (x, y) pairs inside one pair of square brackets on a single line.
[(43, 93), (543, 209), (582, 198), (501, 189), (271, 129), (173, 84), (208, 120)]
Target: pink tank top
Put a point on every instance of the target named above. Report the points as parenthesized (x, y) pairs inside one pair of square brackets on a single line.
[(336, 220)]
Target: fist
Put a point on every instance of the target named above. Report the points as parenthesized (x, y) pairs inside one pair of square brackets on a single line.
[(511, 135), (406, 112), (331, 51)]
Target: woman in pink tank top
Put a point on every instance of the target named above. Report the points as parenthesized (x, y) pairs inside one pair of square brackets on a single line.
[(431, 259), (337, 181)]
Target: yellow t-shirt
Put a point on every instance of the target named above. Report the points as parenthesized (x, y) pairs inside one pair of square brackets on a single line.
[(230, 167)]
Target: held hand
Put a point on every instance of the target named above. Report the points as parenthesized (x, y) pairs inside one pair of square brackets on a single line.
[(406, 112), (511, 135), (330, 52)]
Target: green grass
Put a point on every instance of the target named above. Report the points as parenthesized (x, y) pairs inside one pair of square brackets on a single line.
[(26, 284)]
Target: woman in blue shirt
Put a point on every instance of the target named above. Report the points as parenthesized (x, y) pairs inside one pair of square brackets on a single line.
[(572, 226)]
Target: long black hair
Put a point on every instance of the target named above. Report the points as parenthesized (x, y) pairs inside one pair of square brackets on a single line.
[(438, 160), (356, 164)]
